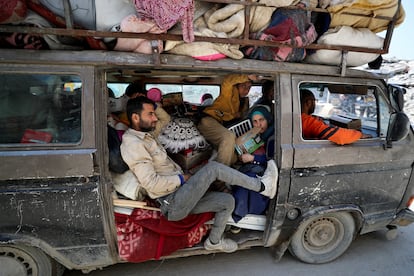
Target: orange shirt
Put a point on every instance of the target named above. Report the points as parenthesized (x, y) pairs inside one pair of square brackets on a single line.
[(315, 128)]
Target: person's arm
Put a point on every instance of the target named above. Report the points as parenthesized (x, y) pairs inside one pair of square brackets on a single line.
[(315, 128), (141, 163), (258, 159)]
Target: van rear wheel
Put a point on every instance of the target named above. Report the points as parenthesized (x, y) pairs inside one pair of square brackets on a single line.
[(323, 238), (25, 260)]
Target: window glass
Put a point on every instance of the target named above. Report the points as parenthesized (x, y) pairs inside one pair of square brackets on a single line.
[(384, 116), (193, 93), (190, 93), (349, 106), (40, 108)]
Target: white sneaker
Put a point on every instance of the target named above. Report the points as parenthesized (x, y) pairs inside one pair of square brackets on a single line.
[(269, 179), (225, 245)]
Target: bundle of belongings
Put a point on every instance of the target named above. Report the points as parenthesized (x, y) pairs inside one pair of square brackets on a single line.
[(144, 233), (147, 234), (268, 21)]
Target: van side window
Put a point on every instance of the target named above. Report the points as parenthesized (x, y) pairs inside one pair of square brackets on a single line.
[(40, 108), (350, 106)]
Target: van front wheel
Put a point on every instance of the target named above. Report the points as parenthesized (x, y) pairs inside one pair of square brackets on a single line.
[(323, 238), (24, 260)]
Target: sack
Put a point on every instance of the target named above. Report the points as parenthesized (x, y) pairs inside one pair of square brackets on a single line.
[(116, 163)]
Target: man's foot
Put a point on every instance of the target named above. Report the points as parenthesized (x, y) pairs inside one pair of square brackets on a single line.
[(269, 179), (225, 245)]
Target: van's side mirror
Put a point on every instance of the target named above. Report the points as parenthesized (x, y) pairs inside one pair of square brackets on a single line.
[(398, 128)]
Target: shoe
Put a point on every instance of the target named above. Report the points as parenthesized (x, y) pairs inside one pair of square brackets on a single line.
[(235, 229), (225, 245), (269, 179)]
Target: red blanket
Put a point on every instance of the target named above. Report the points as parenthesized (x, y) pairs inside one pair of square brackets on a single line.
[(146, 234)]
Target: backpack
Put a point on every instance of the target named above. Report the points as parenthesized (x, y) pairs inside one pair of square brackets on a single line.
[(116, 163)]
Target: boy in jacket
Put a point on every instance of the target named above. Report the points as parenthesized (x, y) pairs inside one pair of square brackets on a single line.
[(229, 107)]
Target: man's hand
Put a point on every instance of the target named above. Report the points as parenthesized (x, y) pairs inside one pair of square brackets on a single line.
[(186, 177), (366, 136), (253, 77)]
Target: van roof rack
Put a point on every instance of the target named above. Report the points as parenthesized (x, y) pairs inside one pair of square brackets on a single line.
[(71, 30)]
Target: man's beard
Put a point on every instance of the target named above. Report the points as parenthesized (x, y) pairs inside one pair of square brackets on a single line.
[(146, 128)]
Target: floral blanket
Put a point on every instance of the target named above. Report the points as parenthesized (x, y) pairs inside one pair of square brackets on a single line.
[(146, 234), (289, 27)]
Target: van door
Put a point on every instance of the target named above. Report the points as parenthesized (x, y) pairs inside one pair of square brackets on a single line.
[(49, 178), (363, 175)]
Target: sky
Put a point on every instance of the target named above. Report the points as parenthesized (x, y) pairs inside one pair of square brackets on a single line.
[(402, 42)]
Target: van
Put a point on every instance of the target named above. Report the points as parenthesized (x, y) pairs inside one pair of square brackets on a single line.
[(58, 208)]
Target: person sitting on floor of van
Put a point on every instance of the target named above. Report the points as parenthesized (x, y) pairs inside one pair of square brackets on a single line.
[(314, 128), (247, 201), (182, 194), (228, 107)]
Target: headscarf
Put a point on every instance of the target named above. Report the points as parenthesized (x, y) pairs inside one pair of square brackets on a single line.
[(265, 112)]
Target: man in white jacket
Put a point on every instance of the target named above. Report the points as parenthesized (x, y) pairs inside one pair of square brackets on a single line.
[(181, 194)]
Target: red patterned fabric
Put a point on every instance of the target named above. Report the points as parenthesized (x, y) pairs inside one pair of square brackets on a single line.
[(166, 13), (146, 234), (12, 11)]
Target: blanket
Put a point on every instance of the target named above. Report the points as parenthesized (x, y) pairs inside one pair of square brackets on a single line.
[(166, 13), (367, 7), (290, 27), (146, 234)]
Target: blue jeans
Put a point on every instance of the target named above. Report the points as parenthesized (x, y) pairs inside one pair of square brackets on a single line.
[(193, 198)]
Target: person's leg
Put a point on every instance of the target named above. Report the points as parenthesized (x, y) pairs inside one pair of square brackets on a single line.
[(189, 194), (216, 134), (220, 203)]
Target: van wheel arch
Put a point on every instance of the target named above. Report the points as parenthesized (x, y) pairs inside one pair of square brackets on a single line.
[(324, 237), (19, 259)]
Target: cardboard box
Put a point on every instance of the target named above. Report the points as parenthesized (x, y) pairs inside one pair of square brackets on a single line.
[(345, 121), (249, 142), (188, 159)]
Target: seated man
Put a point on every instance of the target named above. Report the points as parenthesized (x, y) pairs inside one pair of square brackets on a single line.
[(314, 128), (182, 194)]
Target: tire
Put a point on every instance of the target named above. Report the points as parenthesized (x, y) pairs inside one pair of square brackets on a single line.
[(323, 238), (24, 260)]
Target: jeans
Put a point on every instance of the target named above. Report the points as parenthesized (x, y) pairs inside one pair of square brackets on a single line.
[(191, 197)]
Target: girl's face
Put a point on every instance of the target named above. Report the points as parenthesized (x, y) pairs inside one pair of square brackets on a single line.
[(260, 121), (244, 88)]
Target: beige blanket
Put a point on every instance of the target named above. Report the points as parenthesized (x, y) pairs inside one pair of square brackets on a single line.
[(366, 7)]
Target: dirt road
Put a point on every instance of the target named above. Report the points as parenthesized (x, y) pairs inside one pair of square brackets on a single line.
[(370, 254)]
